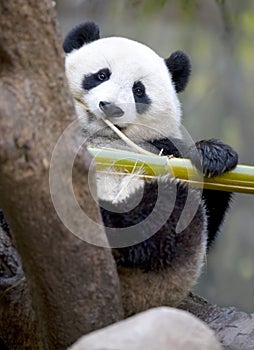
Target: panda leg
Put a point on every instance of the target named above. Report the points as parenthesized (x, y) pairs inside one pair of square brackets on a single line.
[(164, 266)]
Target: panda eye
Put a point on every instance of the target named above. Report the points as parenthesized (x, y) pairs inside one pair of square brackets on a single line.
[(139, 91), (90, 81), (101, 76), (142, 100)]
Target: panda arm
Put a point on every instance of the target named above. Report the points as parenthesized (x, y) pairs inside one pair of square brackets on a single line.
[(214, 158)]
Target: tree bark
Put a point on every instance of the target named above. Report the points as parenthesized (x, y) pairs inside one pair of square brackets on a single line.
[(74, 285), (233, 328), (18, 327)]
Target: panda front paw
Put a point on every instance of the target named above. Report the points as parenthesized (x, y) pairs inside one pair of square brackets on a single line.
[(215, 156)]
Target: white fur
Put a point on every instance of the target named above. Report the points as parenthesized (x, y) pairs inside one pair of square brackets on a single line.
[(129, 62)]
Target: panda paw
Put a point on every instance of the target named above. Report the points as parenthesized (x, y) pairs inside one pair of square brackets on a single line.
[(215, 156)]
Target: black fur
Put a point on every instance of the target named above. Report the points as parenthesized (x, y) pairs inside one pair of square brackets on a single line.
[(165, 247), (171, 147), (92, 80), (217, 203), (82, 34), (180, 68), (215, 158), (142, 100)]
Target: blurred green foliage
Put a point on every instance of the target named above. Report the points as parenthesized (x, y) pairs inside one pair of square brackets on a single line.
[(151, 5)]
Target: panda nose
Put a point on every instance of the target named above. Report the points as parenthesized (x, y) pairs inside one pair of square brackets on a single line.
[(111, 110)]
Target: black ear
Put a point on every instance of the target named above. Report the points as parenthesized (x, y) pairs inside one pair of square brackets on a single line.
[(180, 68), (82, 34)]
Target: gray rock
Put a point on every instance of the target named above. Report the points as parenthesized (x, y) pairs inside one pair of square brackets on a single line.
[(161, 328)]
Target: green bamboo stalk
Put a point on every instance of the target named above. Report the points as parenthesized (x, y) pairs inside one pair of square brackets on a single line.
[(240, 179)]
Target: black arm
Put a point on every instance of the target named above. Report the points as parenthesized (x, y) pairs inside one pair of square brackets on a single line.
[(214, 158)]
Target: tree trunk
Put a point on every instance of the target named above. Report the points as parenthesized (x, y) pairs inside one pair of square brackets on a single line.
[(73, 284), (18, 328)]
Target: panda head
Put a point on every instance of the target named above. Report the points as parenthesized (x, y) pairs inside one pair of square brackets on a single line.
[(126, 82)]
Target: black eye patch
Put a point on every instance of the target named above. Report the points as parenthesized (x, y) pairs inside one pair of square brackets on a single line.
[(142, 100), (90, 81)]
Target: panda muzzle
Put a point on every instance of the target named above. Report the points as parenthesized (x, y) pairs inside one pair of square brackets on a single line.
[(111, 110)]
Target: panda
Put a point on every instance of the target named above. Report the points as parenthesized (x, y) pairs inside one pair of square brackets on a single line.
[(127, 83)]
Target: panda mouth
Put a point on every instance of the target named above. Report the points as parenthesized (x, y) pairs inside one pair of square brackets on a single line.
[(93, 117), (121, 128)]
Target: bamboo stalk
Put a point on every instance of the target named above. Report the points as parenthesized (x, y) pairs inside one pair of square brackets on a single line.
[(240, 179)]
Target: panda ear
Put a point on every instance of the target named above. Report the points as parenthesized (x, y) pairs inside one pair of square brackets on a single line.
[(180, 68), (80, 35)]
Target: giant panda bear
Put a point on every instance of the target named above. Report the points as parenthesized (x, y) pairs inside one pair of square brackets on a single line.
[(127, 83)]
